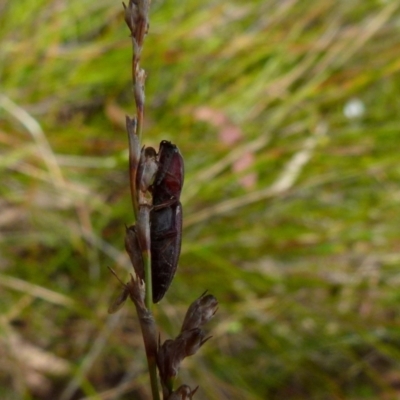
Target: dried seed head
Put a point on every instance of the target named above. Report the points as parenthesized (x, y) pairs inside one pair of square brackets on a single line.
[(172, 352), (137, 292), (133, 249), (184, 392), (192, 340), (133, 289), (119, 301), (131, 16), (200, 312)]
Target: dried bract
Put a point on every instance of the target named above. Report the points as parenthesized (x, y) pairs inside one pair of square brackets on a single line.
[(134, 289), (148, 167), (200, 312), (131, 15), (133, 249), (143, 227), (184, 392), (192, 340), (119, 301), (139, 87), (134, 144), (172, 352)]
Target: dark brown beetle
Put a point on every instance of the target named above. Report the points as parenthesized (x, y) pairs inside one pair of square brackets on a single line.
[(166, 218)]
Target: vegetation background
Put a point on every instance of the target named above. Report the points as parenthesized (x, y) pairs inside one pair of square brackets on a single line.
[(287, 114)]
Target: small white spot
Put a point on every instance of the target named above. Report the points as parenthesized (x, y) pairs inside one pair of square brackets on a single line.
[(354, 108)]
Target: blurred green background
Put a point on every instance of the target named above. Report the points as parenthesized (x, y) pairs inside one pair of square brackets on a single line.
[(287, 114)]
